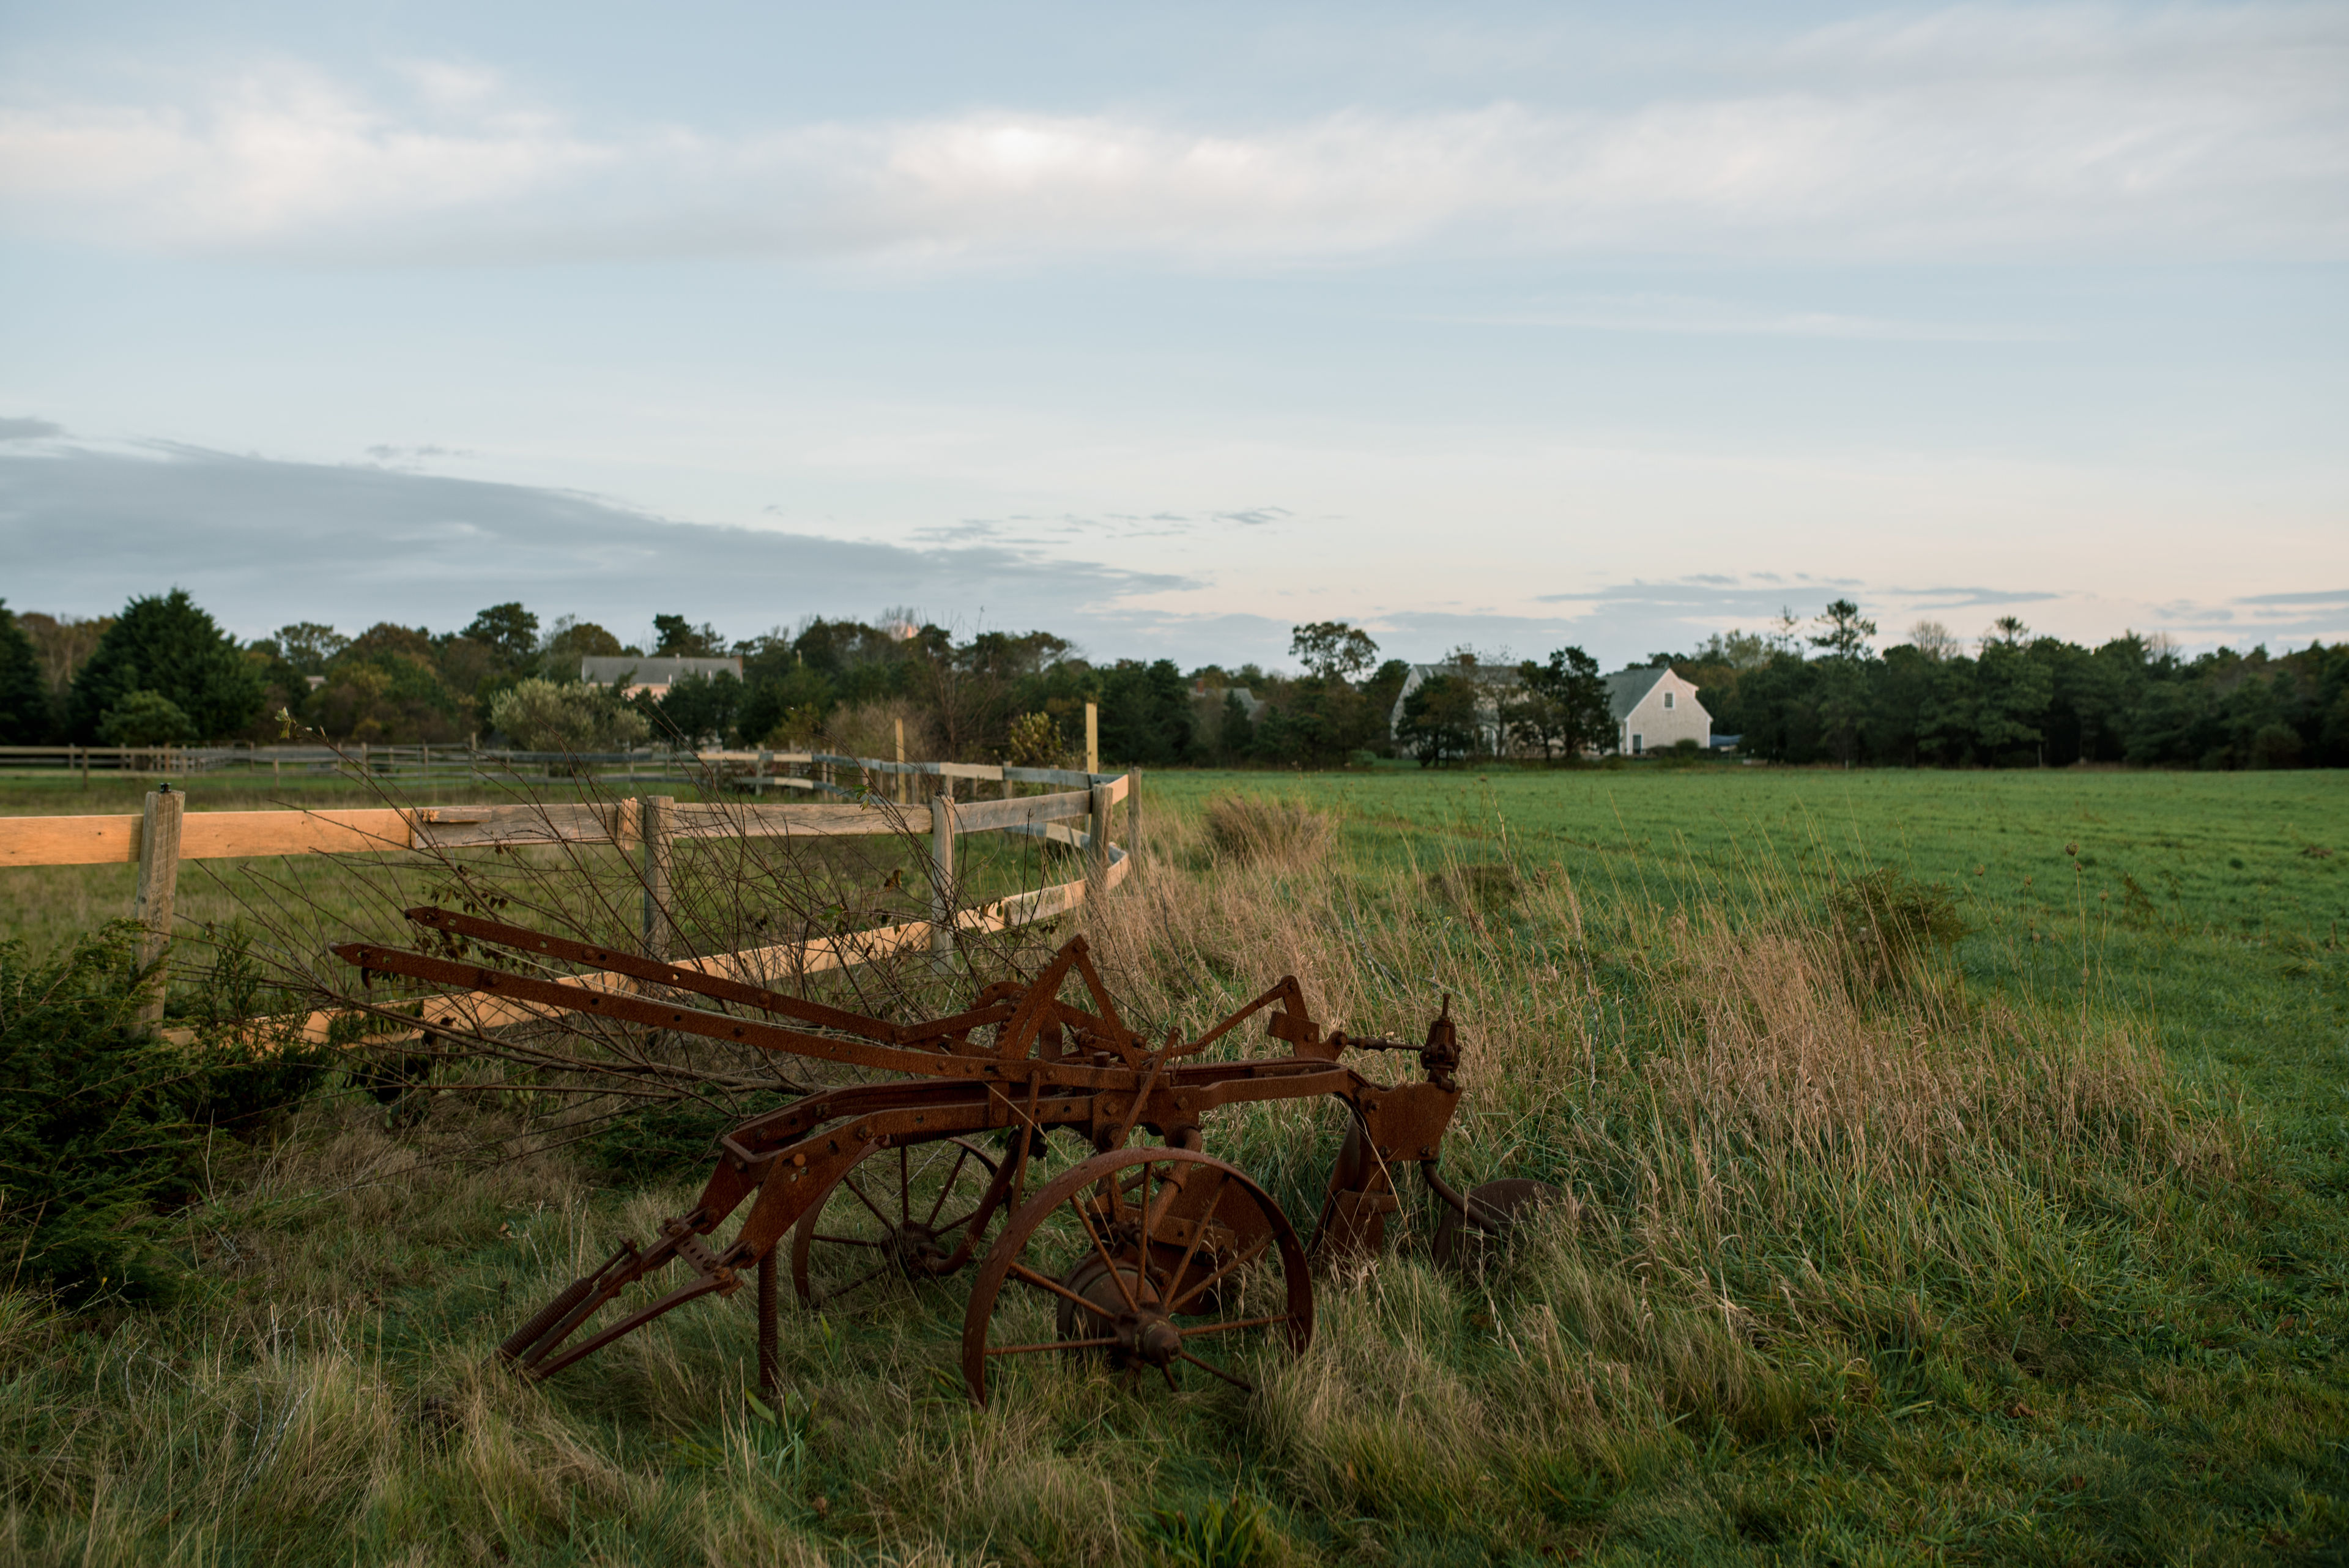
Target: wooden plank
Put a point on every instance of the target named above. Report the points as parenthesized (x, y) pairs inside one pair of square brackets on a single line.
[(112, 839), (1064, 777), (985, 815), (464, 826), (224, 835), (657, 820), (725, 819)]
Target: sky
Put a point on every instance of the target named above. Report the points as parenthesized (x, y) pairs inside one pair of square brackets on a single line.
[(1169, 328)]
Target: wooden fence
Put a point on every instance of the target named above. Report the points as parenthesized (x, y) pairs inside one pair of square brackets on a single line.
[(164, 834)]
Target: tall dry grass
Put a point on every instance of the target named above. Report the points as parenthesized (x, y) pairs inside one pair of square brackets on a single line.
[(1798, 1207), (1773, 1167)]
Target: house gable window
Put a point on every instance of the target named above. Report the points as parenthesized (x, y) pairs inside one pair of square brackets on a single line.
[(1668, 700)]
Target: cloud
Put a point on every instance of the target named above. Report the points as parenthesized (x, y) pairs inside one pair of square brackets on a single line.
[(1966, 599), (28, 430), (2319, 597), (262, 543), (1975, 131), (1690, 315)]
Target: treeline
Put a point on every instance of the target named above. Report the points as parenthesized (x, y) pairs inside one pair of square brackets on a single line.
[(164, 673), (2014, 700)]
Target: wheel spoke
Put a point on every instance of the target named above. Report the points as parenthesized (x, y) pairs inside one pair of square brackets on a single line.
[(849, 1181), (956, 1223), (945, 1187), (1107, 1262), (905, 1185), (1023, 1272), (1211, 1366), (1049, 1344), (1216, 1278), (845, 1240), (1199, 1235), (858, 1283)]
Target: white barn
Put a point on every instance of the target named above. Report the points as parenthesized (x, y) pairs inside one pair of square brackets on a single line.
[(1655, 710)]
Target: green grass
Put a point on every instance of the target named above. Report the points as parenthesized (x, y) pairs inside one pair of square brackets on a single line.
[(2006, 1265), (2198, 905)]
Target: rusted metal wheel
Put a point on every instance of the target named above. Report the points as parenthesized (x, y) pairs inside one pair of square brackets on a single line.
[(1146, 1259), (1494, 1210), (899, 1215)]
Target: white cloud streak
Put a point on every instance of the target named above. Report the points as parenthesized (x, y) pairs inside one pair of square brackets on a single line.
[(1973, 132)]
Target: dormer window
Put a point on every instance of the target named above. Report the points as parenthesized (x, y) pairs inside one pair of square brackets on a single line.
[(1668, 700)]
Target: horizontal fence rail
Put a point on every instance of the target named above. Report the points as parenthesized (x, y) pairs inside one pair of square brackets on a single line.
[(165, 832), (752, 770)]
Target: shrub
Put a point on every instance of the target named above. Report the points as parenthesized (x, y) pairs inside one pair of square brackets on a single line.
[(2276, 746), (1034, 743), (103, 1126), (566, 716), (1888, 927), (146, 719), (1248, 827)]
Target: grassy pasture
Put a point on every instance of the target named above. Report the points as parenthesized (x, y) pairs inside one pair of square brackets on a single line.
[(2006, 1265), (2212, 909)]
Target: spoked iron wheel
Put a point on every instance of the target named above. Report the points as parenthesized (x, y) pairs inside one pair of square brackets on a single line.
[(1152, 1260), (899, 1215)]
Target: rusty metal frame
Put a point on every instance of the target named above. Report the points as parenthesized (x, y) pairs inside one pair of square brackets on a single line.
[(1050, 1065)]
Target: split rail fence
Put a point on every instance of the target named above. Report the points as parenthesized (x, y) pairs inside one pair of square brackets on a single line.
[(158, 838)]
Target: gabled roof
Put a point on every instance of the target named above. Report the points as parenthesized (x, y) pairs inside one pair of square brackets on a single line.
[(1626, 688), (1490, 674), (605, 669)]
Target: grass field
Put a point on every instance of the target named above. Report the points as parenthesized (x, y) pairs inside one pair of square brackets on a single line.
[(2040, 1258)]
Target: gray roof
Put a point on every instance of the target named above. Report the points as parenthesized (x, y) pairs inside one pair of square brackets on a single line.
[(1490, 674), (605, 669), (1625, 688), (1215, 696)]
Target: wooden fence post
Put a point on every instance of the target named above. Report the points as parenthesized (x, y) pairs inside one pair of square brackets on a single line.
[(657, 820), (1097, 852), (1133, 817), (905, 790), (942, 881), (159, 883), (1093, 738)]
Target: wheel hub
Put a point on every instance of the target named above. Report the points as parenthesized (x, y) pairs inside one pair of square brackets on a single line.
[(914, 1248), (1139, 1328)]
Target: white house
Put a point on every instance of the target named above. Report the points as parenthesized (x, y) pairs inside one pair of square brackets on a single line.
[(1655, 710), (653, 675)]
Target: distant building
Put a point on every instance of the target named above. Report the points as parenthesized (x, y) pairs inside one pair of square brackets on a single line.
[(1655, 710), (653, 675), (1213, 697), (1497, 681)]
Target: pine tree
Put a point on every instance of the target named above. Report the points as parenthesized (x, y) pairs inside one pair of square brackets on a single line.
[(24, 696), (169, 646)]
